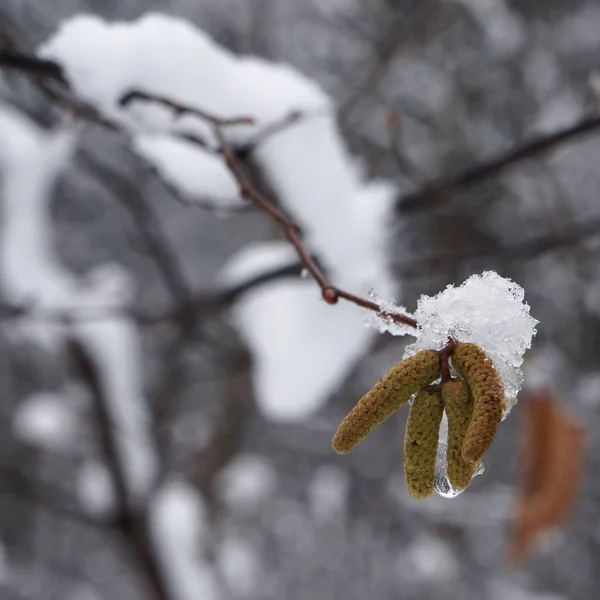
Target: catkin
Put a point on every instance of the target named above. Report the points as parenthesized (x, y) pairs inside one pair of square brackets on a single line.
[(458, 404), (421, 442), (476, 368), (386, 397)]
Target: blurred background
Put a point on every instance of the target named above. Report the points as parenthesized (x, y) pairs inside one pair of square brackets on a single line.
[(243, 496)]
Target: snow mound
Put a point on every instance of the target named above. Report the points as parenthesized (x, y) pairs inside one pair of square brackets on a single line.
[(487, 310)]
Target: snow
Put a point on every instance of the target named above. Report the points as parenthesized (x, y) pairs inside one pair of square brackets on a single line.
[(95, 488), (246, 481), (344, 218), (255, 258), (46, 421), (115, 347), (487, 310), (301, 347), (31, 160), (328, 494), (207, 76), (183, 166), (177, 527), (383, 322)]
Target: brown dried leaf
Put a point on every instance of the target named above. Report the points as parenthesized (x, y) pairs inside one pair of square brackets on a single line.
[(553, 457)]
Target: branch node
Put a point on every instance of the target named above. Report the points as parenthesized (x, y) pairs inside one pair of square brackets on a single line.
[(330, 295)]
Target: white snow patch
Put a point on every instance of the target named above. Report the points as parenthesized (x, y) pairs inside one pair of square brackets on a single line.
[(206, 75), (238, 563), (31, 160), (383, 321), (487, 310), (45, 420), (183, 166), (302, 348), (95, 488), (257, 258), (115, 347), (328, 494), (344, 218), (177, 527), (246, 481)]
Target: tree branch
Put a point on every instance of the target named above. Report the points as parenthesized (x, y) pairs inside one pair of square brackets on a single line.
[(10, 59), (131, 522), (442, 191)]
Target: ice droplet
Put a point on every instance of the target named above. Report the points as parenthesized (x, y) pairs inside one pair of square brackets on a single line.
[(305, 273), (443, 487)]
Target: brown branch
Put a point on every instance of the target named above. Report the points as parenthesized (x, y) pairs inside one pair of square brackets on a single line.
[(10, 59), (445, 354), (278, 126), (179, 110), (131, 521), (442, 191)]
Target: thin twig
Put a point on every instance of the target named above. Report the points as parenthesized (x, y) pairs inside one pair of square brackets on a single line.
[(291, 119), (180, 110), (441, 191)]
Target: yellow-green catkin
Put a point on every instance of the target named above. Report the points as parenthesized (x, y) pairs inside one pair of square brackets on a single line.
[(421, 442), (386, 397), (458, 404), (476, 368)]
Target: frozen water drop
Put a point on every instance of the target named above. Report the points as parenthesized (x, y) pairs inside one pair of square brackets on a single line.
[(443, 487), (305, 273)]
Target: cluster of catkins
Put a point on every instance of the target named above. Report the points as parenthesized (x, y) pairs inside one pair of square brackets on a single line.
[(474, 403)]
